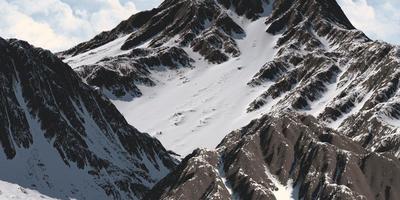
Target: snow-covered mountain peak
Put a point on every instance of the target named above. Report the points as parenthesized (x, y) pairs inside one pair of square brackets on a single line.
[(222, 59)]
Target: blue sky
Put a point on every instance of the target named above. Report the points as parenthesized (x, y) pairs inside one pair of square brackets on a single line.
[(60, 24), (379, 19)]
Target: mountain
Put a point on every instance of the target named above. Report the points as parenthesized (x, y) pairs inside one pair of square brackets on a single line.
[(206, 63), (173, 65), (286, 156), (317, 98), (65, 140)]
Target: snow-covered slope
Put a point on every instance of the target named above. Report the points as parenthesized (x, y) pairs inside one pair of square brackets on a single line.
[(9, 191), (60, 137), (188, 107)]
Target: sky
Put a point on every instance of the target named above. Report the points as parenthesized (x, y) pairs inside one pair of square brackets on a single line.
[(60, 24)]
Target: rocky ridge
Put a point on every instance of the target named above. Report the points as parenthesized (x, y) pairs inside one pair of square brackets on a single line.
[(287, 156), (335, 73), (64, 139)]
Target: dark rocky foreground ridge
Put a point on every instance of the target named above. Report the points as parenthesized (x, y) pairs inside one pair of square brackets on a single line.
[(55, 129), (292, 149)]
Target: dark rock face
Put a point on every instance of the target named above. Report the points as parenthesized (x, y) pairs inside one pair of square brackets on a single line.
[(292, 149), (80, 124)]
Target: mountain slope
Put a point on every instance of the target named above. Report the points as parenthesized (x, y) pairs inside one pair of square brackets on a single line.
[(325, 94), (286, 156), (210, 67), (190, 77), (334, 73), (65, 140)]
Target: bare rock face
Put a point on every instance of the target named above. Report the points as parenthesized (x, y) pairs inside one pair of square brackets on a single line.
[(52, 123), (314, 162)]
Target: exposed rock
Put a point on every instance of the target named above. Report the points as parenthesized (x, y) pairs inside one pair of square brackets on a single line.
[(290, 149)]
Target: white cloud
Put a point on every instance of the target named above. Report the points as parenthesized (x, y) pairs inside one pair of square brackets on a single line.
[(55, 25), (17, 24), (111, 16), (379, 21)]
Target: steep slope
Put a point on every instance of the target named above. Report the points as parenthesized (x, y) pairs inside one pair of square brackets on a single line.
[(205, 68), (65, 140), (335, 73), (292, 157)]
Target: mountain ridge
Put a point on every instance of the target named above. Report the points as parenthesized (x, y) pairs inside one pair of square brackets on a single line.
[(318, 54), (53, 124), (310, 102)]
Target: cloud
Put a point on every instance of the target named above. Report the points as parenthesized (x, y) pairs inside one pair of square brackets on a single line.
[(378, 19), (59, 24), (111, 16)]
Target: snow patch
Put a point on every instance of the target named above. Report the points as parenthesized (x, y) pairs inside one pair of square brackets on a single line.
[(283, 192), (9, 191)]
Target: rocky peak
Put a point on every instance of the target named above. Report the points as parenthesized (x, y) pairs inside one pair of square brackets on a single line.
[(289, 13)]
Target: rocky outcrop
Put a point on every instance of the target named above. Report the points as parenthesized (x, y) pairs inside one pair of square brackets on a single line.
[(287, 154)]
